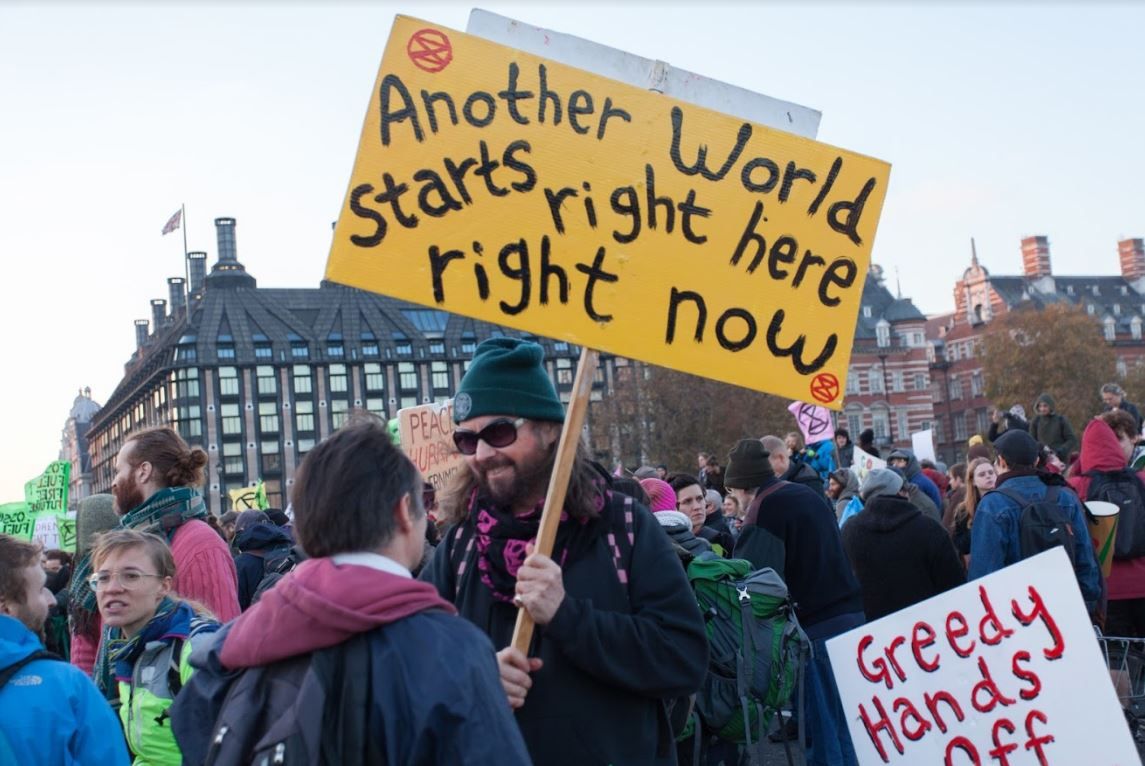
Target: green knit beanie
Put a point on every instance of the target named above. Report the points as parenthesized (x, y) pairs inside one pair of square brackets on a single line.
[(507, 377)]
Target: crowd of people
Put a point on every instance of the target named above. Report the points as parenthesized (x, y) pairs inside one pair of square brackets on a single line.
[(374, 622)]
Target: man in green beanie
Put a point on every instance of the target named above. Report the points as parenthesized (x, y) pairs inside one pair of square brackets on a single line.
[(618, 630)]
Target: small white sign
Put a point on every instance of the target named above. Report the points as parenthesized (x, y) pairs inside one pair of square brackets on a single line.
[(1003, 670), (922, 442), (863, 463)]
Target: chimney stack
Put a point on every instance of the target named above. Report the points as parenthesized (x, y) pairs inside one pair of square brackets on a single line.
[(197, 269), (176, 295), (140, 332), (158, 314), (1036, 257), (1132, 254), (225, 229)]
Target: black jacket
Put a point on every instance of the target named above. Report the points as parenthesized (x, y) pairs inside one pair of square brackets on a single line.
[(900, 556), (613, 653), (801, 473), (254, 543), (794, 531)]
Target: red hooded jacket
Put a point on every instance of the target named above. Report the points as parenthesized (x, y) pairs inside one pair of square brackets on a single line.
[(1100, 451)]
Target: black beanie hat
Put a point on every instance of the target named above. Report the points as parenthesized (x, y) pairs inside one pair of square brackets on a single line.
[(748, 466), (507, 377), (1017, 447)]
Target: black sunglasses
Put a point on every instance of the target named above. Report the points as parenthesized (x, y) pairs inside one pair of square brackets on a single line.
[(500, 433)]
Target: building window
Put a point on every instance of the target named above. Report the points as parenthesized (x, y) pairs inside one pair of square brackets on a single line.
[(185, 384), (903, 424), (338, 379), (1122, 368), (855, 424), (564, 372), (439, 376), (233, 458), (339, 413), (983, 421), (377, 406), (866, 312), (437, 347), (407, 377), (939, 438), (402, 345), (854, 386), (875, 380), (299, 351), (187, 420), (1135, 328), (960, 427), (955, 388), (369, 344), (880, 423), (468, 344), (225, 352), (561, 345), (375, 378), (896, 381), (334, 345), (303, 382), (977, 384), (228, 381), (920, 381), (271, 457), (407, 401), (1110, 328), (266, 381), (304, 416), (883, 333), (936, 391), (186, 353), (305, 445), (232, 420), (263, 351), (268, 417)]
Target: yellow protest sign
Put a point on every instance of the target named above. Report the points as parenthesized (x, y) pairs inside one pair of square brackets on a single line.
[(427, 439), (499, 185)]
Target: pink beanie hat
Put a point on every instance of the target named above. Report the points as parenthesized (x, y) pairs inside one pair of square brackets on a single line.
[(661, 496)]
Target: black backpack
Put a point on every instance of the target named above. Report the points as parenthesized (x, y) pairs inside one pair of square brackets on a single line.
[(1123, 489), (276, 564), (1042, 524), (310, 709)]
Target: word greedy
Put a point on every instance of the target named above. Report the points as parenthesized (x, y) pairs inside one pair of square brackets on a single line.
[(886, 667)]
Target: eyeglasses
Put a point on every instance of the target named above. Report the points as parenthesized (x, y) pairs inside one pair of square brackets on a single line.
[(130, 579), (500, 433)]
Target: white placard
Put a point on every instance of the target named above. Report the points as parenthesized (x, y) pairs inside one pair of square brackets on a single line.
[(645, 73), (923, 444), (1005, 669), (863, 463)]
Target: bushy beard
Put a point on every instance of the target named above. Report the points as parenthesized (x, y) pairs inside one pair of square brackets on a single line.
[(128, 497), (529, 482)]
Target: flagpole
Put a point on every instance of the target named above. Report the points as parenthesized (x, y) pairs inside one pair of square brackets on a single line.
[(186, 263)]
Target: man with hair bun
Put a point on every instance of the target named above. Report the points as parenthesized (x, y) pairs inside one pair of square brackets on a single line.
[(155, 490)]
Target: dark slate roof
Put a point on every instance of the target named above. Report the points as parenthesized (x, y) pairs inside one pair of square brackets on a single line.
[(1115, 295), (883, 305), (242, 316)]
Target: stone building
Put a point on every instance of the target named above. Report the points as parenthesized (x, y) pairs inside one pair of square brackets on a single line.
[(74, 446), (257, 376)]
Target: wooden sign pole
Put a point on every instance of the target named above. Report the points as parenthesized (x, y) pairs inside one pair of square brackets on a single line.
[(559, 483)]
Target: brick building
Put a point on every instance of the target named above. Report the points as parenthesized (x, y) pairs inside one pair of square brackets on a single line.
[(959, 387), (888, 380)]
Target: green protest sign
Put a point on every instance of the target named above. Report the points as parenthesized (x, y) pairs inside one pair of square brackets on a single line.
[(48, 492), (16, 520)]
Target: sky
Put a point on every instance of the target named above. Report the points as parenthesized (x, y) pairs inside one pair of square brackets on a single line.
[(999, 121)]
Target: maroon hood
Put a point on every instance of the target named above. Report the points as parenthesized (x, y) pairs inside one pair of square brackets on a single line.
[(321, 604)]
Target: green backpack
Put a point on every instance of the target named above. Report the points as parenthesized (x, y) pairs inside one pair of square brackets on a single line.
[(757, 649)]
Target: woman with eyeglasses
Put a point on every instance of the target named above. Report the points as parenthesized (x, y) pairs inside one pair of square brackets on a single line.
[(150, 638)]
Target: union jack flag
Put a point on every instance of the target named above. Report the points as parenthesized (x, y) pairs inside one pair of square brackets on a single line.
[(173, 222)]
